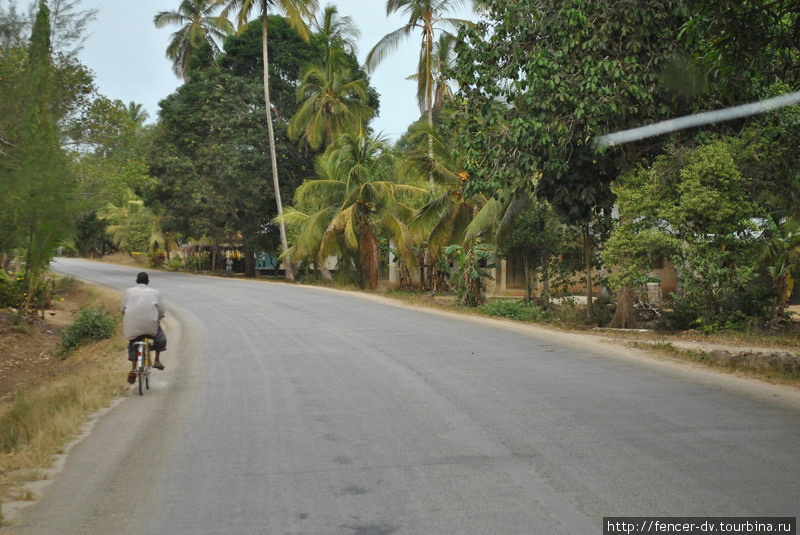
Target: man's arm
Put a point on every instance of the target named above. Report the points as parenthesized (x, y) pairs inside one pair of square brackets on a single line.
[(160, 305)]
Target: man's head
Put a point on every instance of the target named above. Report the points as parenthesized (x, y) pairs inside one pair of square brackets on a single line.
[(142, 278)]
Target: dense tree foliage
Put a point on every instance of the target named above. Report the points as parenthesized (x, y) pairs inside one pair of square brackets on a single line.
[(211, 153), (39, 203), (356, 197), (542, 78)]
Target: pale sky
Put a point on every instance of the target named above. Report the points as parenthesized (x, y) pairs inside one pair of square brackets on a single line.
[(126, 53)]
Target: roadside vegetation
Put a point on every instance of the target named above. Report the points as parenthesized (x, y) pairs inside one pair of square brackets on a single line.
[(55, 373)]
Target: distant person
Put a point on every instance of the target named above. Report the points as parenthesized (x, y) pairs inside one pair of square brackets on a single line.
[(142, 311), (229, 266)]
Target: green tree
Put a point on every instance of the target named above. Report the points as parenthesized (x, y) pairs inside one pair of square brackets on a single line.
[(297, 12), (332, 102), (532, 97), (211, 153), (14, 26), (355, 198), (198, 26), (781, 255), (441, 61), (129, 223), (337, 31), (526, 229), (110, 155), (443, 219), (137, 114), (36, 174), (67, 25), (691, 204), (742, 48), (427, 16)]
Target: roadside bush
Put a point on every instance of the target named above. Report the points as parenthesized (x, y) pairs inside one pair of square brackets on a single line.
[(91, 324), (513, 309), (13, 290), (567, 312), (66, 284), (156, 258), (175, 263), (9, 290)]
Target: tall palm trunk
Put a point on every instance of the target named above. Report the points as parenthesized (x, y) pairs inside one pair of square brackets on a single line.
[(368, 251), (429, 83), (273, 157)]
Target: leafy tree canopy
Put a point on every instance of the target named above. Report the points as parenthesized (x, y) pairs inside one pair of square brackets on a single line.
[(540, 78), (211, 155)]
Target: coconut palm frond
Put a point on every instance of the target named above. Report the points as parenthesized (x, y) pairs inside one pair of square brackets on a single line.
[(198, 25), (485, 220), (320, 191), (402, 238), (429, 214)]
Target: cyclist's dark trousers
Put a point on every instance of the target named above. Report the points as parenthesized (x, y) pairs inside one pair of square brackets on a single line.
[(159, 344)]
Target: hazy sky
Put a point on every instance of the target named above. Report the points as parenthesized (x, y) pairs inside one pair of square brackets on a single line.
[(126, 53)]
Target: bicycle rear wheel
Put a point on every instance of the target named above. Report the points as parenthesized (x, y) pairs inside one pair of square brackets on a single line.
[(140, 373)]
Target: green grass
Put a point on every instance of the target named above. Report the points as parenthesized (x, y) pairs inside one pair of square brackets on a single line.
[(514, 309)]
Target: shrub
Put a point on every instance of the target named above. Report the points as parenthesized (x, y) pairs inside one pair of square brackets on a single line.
[(13, 290), (9, 291), (567, 312), (66, 284), (156, 258), (514, 309), (175, 263), (91, 324)]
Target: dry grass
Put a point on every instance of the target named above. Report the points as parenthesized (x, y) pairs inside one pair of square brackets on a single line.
[(48, 413), (699, 356), (125, 259)]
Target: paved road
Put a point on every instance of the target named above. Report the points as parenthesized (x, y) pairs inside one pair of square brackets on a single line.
[(293, 410)]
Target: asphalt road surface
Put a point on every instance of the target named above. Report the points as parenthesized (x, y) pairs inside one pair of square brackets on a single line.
[(295, 410)]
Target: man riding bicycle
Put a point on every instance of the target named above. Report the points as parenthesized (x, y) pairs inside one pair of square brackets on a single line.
[(142, 310)]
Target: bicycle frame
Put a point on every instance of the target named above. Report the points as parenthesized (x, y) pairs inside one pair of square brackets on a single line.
[(143, 363)]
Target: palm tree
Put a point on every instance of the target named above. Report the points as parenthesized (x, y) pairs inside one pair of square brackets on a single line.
[(332, 102), (198, 25), (355, 198), (137, 114), (338, 32), (297, 11), (428, 17), (441, 58), (443, 220), (782, 257), (525, 227), (130, 223)]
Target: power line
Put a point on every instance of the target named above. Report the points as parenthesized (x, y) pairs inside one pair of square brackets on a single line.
[(699, 119)]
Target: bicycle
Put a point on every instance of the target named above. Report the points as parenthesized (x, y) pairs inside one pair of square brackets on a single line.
[(143, 363)]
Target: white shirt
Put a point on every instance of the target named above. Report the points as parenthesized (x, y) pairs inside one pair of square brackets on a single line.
[(141, 308)]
